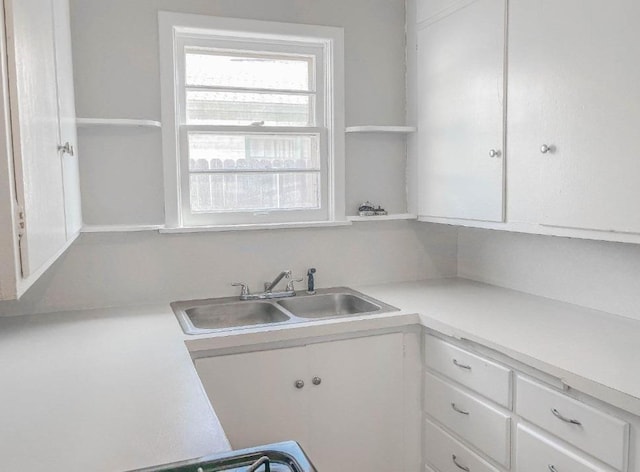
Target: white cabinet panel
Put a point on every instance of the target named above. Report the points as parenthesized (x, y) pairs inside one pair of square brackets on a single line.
[(484, 426), (536, 453), (255, 396), (34, 115), (449, 455), (45, 211), (461, 92), (67, 117), (602, 435), (482, 375), (574, 84), (351, 420), (359, 404)]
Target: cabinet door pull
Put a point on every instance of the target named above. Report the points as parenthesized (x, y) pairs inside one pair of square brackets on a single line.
[(462, 366), (67, 148), (455, 408), (299, 384), (559, 415), (462, 467), (552, 468)]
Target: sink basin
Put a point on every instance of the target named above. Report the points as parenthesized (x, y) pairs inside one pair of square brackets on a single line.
[(204, 316), (220, 314), (286, 456), (329, 305)]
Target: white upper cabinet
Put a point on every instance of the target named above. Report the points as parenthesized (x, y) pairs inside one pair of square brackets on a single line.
[(574, 87), (47, 209), (461, 113), (67, 117)]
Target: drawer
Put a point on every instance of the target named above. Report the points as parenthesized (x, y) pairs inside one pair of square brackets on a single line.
[(471, 418), (477, 373), (536, 453), (447, 454), (587, 428)]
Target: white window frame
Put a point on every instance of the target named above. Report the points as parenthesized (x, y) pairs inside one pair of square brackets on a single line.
[(326, 43)]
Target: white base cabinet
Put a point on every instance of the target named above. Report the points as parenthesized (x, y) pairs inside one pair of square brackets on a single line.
[(341, 400), (547, 430)]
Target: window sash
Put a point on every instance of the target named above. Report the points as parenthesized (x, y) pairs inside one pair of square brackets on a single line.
[(229, 217)]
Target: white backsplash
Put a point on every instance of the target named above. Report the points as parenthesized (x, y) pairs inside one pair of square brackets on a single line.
[(114, 269), (600, 275)]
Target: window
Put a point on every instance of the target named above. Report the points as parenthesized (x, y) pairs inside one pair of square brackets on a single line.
[(252, 112)]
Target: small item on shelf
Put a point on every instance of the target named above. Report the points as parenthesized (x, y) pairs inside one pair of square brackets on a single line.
[(367, 209), (380, 211)]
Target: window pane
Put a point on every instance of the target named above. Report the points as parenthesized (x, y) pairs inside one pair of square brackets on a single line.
[(246, 71), (255, 192), (242, 109), (253, 151)]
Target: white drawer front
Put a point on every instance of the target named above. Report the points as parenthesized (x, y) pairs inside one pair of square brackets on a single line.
[(447, 455), (537, 453), (482, 375), (478, 422), (598, 433)]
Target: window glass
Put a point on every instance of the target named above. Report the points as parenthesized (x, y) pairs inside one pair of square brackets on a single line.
[(245, 70), (244, 109)]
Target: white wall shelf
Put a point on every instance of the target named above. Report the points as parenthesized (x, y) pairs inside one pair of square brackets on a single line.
[(380, 129), (392, 217), (91, 122)]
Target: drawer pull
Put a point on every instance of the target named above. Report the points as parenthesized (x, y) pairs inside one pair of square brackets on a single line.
[(462, 412), (462, 366), (558, 415), (455, 461), (552, 468)]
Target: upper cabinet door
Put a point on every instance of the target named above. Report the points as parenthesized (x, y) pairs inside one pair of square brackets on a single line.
[(461, 113), (34, 117), (67, 117), (574, 109)]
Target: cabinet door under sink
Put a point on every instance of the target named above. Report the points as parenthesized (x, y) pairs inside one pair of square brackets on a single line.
[(348, 416), (356, 413), (255, 397)]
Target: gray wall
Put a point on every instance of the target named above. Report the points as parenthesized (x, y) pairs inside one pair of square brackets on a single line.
[(116, 73), (116, 64), (137, 268), (600, 275)]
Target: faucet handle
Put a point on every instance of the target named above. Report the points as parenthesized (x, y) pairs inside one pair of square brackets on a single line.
[(290, 287), (245, 288)]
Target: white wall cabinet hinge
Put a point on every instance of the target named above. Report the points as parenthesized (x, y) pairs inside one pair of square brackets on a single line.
[(20, 221)]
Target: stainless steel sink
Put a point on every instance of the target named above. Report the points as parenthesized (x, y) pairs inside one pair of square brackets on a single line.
[(201, 316), (329, 305), (222, 314), (235, 314), (281, 457)]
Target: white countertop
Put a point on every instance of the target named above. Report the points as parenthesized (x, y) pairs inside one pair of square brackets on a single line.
[(105, 390), (115, 390), (592, 351)]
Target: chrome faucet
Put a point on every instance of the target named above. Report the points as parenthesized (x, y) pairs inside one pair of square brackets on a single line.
[(268, 287), (268, 293)]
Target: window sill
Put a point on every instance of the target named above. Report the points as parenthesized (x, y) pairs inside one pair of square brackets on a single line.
[(249, 227)]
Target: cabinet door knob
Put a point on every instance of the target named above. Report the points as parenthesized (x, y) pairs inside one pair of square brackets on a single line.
[(495, 153), (547, 148), (299, 384), (66, 148), (316, 381)]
